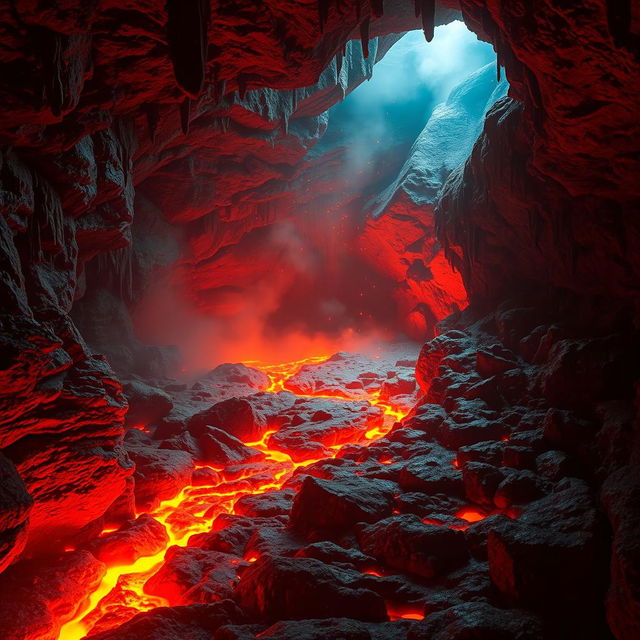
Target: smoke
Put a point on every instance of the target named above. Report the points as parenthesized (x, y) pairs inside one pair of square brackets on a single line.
[(300, 287), (299, 292)]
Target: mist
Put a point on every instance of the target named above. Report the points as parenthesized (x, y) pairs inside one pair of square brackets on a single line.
[(299, 286)]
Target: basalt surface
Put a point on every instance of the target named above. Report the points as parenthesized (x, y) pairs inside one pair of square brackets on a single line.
[(298, 508), (504, 505)]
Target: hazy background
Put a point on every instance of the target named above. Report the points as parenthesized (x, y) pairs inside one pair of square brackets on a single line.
[(298, 287)]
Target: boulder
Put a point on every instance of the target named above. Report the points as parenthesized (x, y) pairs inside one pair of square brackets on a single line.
[(276, 588), (144, 536), (331, 506), (404, 542), (236, 416)]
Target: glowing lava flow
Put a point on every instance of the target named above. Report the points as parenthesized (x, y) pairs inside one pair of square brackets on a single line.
[(121, 594)]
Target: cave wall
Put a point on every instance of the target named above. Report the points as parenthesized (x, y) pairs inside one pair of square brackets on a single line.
[(103, 101), (551, 182), (543, 217)]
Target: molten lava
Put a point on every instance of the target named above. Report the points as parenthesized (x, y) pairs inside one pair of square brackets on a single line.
[(194, 510)]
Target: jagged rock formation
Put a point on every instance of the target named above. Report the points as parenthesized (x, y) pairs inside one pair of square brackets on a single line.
[(178, 129)]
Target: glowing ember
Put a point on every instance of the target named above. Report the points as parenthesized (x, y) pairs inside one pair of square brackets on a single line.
[(403, 612), (471, 515), (121, 593)]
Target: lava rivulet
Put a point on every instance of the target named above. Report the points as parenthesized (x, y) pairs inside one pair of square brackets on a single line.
[(121, 593)]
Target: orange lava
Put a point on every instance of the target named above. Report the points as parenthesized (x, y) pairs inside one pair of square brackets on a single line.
[(405, 612), (471, 515), (194, 510)]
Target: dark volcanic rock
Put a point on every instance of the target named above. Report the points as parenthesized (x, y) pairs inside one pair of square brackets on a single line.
[(311, 425), (232, 533), (191, 575), (477, 621), (334, 628), (160, 473), (621, 499), (236, 416), (273, 503), (326, 505), (220, 448), (146, 404), (546, 559), (432, 474), (293, 588), (404, 542), (37, 597), (481, 481), (194, 622)]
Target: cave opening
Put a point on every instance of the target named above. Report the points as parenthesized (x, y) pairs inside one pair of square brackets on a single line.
[(319, 319)]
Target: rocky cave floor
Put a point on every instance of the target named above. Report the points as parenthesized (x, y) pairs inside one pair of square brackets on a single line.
[(353, 497)]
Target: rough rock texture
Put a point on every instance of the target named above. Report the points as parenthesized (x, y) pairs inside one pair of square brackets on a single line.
[(29, 611), (129, 149)]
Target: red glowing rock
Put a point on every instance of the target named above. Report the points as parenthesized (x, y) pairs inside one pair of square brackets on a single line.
[(191, 575), (194, 622), (15, 504), (144, 536), (37, 597)]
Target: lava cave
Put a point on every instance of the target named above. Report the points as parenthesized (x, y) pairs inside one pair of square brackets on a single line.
[(320, 320)]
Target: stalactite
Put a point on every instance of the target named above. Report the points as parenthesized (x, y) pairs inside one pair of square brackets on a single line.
[(55, 86), (51, 47), (188, 39), (338, 65), (152, 113), (498, 63), (124, 128), (185, 115), (47, 214), (116, 270), (224, 124), (536, 98), (619, 19), (364, 36), (242, 86), (428, 11), (377, 7), (323, 13)]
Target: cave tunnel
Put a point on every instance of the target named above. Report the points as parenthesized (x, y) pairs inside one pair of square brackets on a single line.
[(319, 320)]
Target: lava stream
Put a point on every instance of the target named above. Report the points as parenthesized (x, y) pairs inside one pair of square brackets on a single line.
[(121, 595)]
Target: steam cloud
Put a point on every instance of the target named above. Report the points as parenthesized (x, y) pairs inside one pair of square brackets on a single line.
[(307, 291)]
